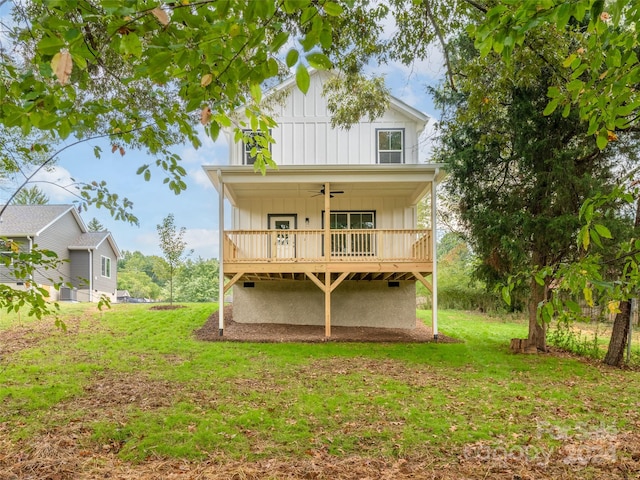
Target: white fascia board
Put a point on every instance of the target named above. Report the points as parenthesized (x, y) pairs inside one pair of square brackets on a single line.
[(76, 216), (240, 174)]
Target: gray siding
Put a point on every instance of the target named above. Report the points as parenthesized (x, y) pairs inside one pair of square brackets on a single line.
[(80, 272), (57, 238), (104, 284), (5, 273)]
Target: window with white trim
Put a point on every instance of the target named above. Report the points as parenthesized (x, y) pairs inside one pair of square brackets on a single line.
[(105, 268), (390, 145), (355, 241), (8, 250), (250, 146)]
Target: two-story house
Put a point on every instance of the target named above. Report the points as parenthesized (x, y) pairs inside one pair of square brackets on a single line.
[(88, 260), (330, 237)]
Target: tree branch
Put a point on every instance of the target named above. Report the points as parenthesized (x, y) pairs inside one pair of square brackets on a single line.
[(54, 155), (432, 20)]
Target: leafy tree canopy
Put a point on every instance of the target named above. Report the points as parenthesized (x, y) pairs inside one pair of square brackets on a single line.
[(598, 76)]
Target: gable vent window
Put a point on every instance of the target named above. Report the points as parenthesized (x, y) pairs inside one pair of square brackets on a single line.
[(250, 146), (390, 145), (105, 269)]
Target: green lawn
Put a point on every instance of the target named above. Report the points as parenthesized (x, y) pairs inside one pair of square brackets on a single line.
[(135, 383)]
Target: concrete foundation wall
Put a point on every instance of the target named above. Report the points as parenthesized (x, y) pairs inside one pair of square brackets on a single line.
[(353, 304)]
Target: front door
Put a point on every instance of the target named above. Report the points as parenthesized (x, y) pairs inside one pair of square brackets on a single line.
[(283, 242)]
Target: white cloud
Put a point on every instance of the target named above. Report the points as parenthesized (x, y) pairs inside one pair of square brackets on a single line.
[(57, 184), (200, 178), (203, 241)]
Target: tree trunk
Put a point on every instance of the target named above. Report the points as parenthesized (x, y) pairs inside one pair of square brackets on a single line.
[(619, 335), (537, 329), (620, 330)]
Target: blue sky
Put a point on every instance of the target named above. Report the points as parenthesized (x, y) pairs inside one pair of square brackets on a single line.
[(195, 209)]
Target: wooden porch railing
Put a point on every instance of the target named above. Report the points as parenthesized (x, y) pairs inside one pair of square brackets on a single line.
[(259, 246)]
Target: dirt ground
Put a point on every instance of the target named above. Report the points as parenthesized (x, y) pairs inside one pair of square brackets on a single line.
[(278, 333)]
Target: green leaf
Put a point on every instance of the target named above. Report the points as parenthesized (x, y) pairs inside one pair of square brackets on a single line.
[(506, 295), (602, 139), (50, 45), (588, 296), (595, 238), (551, 107), (603, 231), (303, 80), (131, 45), (256, 92), (279, 41), (569, 60), (333, 9), (319, 61), (292, 57)]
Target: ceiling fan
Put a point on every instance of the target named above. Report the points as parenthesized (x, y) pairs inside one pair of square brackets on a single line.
[(331, 193)]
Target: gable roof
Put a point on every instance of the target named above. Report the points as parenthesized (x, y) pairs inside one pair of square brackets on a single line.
[(93, 240), (32, 220), (394, 102)]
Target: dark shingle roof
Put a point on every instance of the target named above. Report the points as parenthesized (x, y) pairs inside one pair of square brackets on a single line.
[(22, 220), (88, 240)]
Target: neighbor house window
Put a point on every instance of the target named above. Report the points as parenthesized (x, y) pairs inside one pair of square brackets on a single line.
[(390, 148), (106, 267), (251, 146), (8, 248)]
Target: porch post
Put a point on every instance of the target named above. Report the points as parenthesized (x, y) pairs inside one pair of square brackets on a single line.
[(434, 260), (220, 255), (327, 259)]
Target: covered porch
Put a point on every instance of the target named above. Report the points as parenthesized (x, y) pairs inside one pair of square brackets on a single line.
[(295, 249)]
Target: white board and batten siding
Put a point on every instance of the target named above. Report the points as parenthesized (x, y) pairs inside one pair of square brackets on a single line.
[(304, 135), (390, 212)]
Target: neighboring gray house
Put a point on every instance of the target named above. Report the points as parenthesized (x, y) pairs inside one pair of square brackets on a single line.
[(92, 256)]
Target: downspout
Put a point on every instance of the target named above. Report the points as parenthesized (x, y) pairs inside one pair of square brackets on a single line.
[(434, 258), (220, 255), (90, 274), (31, 265)]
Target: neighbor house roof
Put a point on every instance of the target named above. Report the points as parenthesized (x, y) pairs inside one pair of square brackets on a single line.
[(31, 220), (92, 240)]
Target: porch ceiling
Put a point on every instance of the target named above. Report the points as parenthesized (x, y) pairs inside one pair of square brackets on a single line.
[(411, 182)]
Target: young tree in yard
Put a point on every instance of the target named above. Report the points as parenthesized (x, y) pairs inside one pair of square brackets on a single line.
[(173, 246)]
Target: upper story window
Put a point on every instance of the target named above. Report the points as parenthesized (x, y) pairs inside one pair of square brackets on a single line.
[(390, 145), (251, 145), (105, 268)]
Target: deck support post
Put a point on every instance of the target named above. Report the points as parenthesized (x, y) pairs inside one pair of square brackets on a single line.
[(434, 259), (221, 289), (327, 258)]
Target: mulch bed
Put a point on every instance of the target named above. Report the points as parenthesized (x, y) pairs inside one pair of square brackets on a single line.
[(282, 333)]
